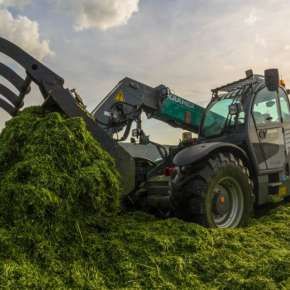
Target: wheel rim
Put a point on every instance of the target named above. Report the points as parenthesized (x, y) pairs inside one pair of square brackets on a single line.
[(227, 203)]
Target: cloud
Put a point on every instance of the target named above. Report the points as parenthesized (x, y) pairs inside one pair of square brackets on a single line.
[(16, 3), (261, 41), (23, 32), (252, 18), (100, 14)]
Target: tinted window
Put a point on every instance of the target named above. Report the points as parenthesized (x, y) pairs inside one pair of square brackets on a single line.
[(284, 106), (265, 109), (215, 118)]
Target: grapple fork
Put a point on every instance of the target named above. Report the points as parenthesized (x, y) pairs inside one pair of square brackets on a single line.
[(55, 95)]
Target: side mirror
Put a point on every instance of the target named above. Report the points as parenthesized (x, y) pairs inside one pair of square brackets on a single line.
[(235, 109), (272, 79)]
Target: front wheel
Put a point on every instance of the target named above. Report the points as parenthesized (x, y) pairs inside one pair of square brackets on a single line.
[(220, 194)]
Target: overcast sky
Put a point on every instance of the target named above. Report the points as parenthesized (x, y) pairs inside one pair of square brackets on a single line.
[(190, 46)]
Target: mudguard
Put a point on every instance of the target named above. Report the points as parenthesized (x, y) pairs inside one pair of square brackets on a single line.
[(197, 152)]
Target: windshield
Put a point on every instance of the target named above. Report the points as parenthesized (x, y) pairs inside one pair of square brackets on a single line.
[(215, 118)]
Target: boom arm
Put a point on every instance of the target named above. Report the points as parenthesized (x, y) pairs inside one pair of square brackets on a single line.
[(130, 98)]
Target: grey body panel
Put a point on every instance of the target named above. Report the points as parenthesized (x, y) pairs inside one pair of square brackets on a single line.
[(274, 148), (256, 152), (197, 152), (148, 152), (287, 140), (267, 141)]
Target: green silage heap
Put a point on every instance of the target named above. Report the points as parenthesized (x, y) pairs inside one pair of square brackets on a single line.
[(61, 227)]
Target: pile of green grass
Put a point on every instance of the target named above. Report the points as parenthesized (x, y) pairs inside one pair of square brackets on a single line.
[(61, 226)]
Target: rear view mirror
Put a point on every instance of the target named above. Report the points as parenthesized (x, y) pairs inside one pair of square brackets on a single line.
[(272, 79)]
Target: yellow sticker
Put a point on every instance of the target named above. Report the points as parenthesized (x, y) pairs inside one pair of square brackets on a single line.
[(120, 97), (283, 191)]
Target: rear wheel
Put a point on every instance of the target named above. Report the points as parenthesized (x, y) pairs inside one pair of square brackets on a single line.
[(220, 194)]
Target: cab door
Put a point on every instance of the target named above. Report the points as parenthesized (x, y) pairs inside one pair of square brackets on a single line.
[(269, 128), (285, 114)]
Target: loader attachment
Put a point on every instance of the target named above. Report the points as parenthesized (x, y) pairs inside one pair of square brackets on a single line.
[(15, 102), (58, 98)]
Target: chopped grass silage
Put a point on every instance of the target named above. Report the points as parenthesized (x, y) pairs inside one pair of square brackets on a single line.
[(60, 226)]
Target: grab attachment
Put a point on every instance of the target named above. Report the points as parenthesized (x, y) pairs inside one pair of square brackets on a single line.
[(59, 98)]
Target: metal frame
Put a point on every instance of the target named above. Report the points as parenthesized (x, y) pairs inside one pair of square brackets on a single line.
[(254, 79)]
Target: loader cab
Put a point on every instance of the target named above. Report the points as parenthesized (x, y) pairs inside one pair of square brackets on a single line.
[(244, 139), (268, 127), (254, 115)]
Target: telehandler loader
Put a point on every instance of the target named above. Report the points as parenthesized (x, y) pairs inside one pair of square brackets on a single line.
[(239, 160)]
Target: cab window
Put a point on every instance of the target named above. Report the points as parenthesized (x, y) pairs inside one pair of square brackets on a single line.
[(215, 118), (284, 103), (265, 109)]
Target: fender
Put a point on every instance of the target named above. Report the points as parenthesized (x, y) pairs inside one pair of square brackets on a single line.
[(197, 152)]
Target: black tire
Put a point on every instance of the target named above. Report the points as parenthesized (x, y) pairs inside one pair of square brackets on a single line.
[(220, 194)]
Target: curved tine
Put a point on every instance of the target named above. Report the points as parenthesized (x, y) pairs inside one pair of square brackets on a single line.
[(33, 67), (11, 76), (10, 96), (8, 108)]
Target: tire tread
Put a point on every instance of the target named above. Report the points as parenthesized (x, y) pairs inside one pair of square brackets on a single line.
[(190, 203)]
